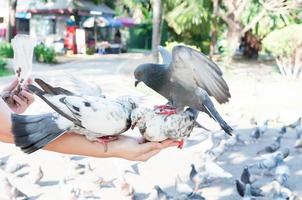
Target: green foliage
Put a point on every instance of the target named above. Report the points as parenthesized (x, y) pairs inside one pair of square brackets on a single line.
[(44, 54), (190, 21), (6, 50), (282, 42), (169, 45), (90, 51), (3, 70)]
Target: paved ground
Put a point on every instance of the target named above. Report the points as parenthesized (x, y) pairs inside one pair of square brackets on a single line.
[(257, 91)]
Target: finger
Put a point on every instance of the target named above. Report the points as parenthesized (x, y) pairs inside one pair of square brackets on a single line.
[(29, 97), (12, 85), (149, 146), (148, 155), (19, 101), (169, 143)]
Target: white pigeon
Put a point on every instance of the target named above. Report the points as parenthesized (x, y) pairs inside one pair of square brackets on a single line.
[(214, 171), (157, 127), (99, 119), (282, 173)]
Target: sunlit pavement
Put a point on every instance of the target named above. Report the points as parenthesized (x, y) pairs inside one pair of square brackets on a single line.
[(255, 93)]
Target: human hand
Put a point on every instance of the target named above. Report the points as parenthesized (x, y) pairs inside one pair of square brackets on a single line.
[(132, 149), (17, 101)]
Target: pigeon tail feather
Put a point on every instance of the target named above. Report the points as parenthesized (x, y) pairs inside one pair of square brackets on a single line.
[(32, 133)]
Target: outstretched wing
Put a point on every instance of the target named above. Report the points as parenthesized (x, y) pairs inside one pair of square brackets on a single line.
[(193, 69)]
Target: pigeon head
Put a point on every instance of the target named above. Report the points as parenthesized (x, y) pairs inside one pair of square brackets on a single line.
[(153, 75)]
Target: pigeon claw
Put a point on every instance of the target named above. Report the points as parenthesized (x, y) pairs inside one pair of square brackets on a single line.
[(181, 144), (105, 139), (164, 107), (166, 112)]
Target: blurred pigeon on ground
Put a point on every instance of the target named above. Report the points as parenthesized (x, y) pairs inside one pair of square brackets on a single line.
[(272, 147), (97, 118), (217, 151), (241, 188), (298, 131), (12, 165), (298, 144), (246, 176), (277, 193), (282, 173), (264, 127), (36, 175), (235, 140), (270, 163), (296, 123), (255, 134), (158, 194), (126, 189), (186, 78), (214, 171), (156, 127), (182, 188), (283, 130), (10, 191), (195, 177)]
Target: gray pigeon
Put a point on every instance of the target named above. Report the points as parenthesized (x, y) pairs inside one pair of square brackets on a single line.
[(270, 163), (255, 134), (298, 144), (296, 123), (186, 78), (195, 177), (246, 176), (155, 127), (241, 189), (272, 147), (99, 119)]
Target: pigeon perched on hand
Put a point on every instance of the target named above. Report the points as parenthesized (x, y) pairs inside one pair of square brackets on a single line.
[(186, 78), (99, 119), (157, 127)]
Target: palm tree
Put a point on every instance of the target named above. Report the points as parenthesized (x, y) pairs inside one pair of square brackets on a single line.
[(156, 27)]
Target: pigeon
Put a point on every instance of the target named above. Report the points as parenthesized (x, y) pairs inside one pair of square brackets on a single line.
[(241, 189), (264, 127), (296, 123), (182, 188), (158, 194), (255, 134), (283, 130), (277, 193), (232, 141), (126, 189), (246, 176), (195, 177), (217, 151), (282, 173), (99, 119), (272, 147), (186, 78), (298, 131), (213, 171), (271, 162), (11, 191), (298, 144), (36, 175), (156, 127)]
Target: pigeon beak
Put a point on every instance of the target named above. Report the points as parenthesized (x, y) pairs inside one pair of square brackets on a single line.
[(136, 83)]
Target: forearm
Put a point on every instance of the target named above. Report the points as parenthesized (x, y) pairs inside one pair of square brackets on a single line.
[(5, 122)]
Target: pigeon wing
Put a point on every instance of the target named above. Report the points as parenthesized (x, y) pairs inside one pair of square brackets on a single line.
[(193, 69)]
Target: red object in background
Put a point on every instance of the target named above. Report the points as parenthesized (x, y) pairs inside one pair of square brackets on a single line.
[(69, 40)]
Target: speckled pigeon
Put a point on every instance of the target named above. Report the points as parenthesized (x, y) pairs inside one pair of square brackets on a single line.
[(186, 78), (99, 119)]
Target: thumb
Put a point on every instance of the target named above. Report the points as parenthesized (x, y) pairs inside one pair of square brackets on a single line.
[(12, 85)]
